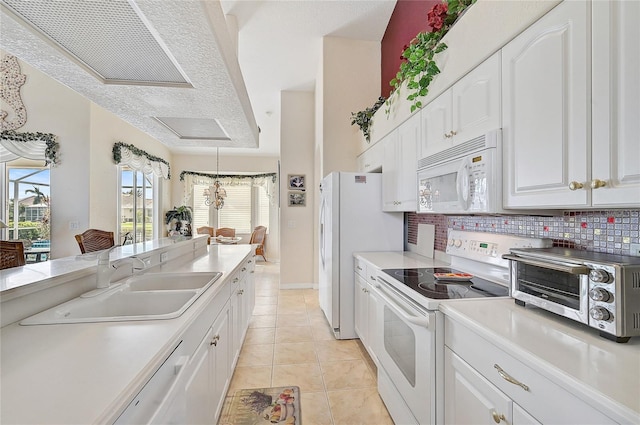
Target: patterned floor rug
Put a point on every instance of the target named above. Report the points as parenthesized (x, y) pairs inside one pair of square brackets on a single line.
[(258, 406)]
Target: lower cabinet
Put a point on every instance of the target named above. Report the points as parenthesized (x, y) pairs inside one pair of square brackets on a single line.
[(366, 307), (483, 384), (211, 373)]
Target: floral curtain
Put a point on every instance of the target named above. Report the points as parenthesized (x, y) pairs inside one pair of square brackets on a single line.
[(140, 160), (267, 181)]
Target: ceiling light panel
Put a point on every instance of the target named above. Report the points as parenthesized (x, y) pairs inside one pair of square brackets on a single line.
[(108, 38), (195, 128)]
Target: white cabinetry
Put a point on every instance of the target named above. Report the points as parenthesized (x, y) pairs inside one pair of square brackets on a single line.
[(399, 166), (371, 160), (205, 390), (366, 306), (470, 108), (483, 384), (615, 158), (242, 303), (546, 112)]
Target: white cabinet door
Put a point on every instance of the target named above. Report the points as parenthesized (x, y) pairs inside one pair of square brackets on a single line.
[(476, 102), (361, 307), (469, 397), (371, 160), (616, 103), (221, 364), (390, 172), (546, 111), (436, 125), (521, 417), (408, 138), (470, 108), (199, 406)]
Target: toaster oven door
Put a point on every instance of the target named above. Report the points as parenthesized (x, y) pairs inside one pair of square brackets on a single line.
[(556, 287)]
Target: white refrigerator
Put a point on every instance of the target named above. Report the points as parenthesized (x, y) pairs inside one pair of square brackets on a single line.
[(351, 220)]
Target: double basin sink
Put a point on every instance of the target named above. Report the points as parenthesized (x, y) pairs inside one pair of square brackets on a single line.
[(142, 297)]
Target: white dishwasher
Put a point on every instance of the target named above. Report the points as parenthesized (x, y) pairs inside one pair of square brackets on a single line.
[(162, 399)]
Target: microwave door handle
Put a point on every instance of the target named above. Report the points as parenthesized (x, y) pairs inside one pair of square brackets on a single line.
[(462, 185), (548, 265)]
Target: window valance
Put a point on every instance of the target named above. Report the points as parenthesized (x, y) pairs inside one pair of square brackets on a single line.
[(126, 154), (37, 146), (268, 181)]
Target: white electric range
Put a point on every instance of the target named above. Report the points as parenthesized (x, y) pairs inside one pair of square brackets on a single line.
[(410, 329)]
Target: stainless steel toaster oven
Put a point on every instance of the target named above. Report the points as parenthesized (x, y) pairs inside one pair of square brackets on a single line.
[(597, 289)]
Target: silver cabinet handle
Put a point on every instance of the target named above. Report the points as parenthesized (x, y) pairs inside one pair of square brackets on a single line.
[(509, 378)]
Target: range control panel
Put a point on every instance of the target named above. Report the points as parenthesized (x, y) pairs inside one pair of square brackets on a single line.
[(489, 247)]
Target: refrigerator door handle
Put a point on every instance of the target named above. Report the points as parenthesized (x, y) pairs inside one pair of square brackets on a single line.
[(322, 244)]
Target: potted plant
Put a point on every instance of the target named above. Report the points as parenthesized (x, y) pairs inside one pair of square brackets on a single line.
[(179, 219)]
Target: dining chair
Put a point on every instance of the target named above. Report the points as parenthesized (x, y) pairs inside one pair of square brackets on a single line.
[(226, 232), (11, 254), (259, 238), (206, 230), (95, 240)]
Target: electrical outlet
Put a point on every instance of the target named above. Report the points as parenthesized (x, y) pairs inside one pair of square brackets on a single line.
[(164, 257), (635, 249), (74, 225)]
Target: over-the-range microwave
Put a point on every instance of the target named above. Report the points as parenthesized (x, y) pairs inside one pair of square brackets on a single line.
[(463, 179)]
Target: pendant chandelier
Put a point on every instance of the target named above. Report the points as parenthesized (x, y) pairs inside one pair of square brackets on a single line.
[(217, 200)]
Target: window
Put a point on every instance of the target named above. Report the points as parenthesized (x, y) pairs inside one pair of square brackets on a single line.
[(245, 207), (138, 193), (27, 213)]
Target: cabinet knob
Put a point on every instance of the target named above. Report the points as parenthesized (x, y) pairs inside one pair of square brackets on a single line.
[(497, 417), (575, 185), (596, 184), (448, 135), (215, 340), (453, 133)]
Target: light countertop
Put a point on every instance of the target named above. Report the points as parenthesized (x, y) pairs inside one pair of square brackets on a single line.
[(87, 373), (574, 356), (399, 260), (22, 280)]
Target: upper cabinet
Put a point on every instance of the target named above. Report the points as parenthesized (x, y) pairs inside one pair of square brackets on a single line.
[(571, 102), (545, 95), (371, 160), (399, 166), (615, 158), (470, 108)]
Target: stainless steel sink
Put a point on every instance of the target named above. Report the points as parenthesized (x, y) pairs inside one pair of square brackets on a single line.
[(144, 297)]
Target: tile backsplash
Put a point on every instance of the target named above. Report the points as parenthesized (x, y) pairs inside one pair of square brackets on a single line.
[(610, 231)]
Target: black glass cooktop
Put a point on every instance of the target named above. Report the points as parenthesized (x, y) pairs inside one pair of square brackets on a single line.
[(423, 281)]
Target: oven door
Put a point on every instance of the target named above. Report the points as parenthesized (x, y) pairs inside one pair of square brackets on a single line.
[(406, 353), (559, 287)]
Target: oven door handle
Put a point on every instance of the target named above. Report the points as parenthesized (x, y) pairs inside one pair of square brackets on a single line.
[(549, 265), (419, 321)]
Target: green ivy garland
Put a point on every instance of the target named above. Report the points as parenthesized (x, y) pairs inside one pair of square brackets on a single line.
[(235, 176), (419, 67), (117, 155), (50, 152), (363, 118)]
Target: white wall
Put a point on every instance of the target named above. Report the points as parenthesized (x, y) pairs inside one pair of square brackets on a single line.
[(298, 248), (84, 184), (229, 164), (350, 82)]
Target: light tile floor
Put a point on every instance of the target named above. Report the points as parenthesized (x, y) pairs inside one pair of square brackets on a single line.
[(289, 342)]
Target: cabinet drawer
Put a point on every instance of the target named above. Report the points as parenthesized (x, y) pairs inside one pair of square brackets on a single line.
[(360, 267), (544, 400)]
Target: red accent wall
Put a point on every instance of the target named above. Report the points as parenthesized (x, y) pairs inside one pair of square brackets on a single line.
[(408, 18)]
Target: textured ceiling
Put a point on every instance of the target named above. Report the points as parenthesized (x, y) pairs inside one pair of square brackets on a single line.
[(279, 47)]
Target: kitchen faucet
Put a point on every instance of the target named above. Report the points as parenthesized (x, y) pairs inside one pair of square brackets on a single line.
[(105, 269)]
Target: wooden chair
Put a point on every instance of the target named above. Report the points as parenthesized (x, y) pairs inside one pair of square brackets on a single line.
[(227, 232), (95, 240), (206, 230), (259, 237), (11, 254)]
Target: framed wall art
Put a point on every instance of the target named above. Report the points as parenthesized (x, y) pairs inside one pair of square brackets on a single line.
[(297, 182), (297, 199)]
